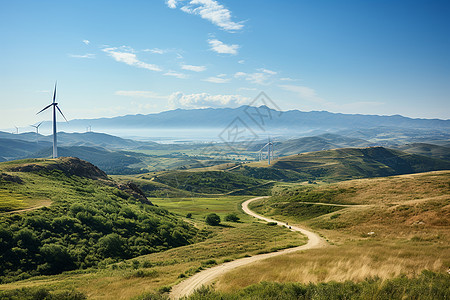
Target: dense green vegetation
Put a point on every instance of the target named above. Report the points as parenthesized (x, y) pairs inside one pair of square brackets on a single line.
[(211, 182), (91, 221)]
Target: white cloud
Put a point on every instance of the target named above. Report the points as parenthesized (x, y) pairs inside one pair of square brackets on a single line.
[(257, 77), (87, 55), (241, 61), (155, 50), (217, 79), (175, 74), (140, 94), (204, 100), (286, 79), (193, 68), (210, 10), (222, 48), (268, 71), (171, 3), (87, 42), (125, 54)]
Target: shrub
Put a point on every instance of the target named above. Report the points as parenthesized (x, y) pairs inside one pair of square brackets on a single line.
[(232, 218), (212, 219), (188, 215)]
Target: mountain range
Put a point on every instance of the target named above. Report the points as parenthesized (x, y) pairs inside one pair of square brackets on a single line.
[(262, 118)]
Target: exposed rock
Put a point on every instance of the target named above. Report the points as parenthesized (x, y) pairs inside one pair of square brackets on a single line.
[(68, 165), (135, 191)]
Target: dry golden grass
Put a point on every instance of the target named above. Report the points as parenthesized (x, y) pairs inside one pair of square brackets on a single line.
[(403, 227), (353, 261)]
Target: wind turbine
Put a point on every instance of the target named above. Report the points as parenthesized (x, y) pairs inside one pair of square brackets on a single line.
[(269, 146), (37, 130), (37, 127), (17, 129), (55, 107)]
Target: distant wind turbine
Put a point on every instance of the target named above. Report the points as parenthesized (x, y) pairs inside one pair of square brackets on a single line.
[(55, 107), (269, 146), (17, 129), (37, 127), (37, 130)]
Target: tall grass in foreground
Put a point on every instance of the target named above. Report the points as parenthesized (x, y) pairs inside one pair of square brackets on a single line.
[(427, 286)]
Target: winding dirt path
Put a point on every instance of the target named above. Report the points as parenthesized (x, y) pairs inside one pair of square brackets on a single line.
[(207, 276)]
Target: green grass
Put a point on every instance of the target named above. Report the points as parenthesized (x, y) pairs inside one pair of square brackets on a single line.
[(428, 285), (89, 221)]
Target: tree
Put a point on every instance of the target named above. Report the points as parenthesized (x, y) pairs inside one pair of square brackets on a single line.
[(212, 219), (232, 218)]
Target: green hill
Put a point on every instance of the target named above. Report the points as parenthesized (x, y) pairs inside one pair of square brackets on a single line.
[(91, 220), (430, 150), (344, 164)]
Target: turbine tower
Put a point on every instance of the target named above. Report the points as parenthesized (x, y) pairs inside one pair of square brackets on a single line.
[(55, 107)]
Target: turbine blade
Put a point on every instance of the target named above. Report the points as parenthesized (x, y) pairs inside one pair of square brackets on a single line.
[(54, 93), (61, 113), (45, 108), (37, 126)]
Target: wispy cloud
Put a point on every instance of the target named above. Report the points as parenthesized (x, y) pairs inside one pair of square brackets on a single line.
[(310, 95), (140, 94), (175, 74), (217, 79), (222, 48), (87, 55), (204, 100), (287, 79), (241, 61), (306, 93), (257, 77), (125, 54), (268, 71), (193, 68), (155, 50), (87, 42), (210, 10)]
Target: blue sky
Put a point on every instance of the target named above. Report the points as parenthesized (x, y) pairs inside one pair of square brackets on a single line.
[(114, 57)]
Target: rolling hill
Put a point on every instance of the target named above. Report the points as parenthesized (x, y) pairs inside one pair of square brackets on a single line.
[(344, 164), (325, 141), (91, 219), (430, 150)]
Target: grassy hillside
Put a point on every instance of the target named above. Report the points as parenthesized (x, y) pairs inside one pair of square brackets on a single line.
[(344, 164), (91, 219), (213, 182), (376, 228), (430, 150), (315, 143)]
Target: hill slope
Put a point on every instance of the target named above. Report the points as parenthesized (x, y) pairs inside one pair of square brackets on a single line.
[(91, 219), (344, 164)]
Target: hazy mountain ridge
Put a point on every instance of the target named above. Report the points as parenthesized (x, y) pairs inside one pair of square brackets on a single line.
[(254, 117)]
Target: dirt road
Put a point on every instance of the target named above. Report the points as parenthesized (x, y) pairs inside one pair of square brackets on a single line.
[(207, 276)]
